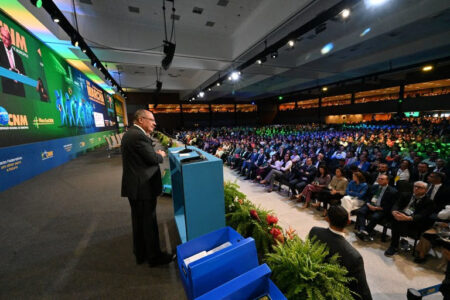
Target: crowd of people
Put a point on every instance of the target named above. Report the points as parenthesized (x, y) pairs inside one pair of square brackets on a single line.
[(391, 173)]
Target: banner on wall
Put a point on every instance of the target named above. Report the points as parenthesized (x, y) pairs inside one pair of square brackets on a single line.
[(42, 97)]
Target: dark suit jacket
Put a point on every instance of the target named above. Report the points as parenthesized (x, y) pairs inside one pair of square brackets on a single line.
[(141, 178), (10, 86), (415, 176), (349, 258), (388, 199), (424, 208), (442, 198)]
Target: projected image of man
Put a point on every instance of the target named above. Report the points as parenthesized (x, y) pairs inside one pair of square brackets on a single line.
[(11, 60)]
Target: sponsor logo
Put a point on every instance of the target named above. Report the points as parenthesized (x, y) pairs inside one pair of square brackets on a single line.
[(42, 121), (68, 147), (10, 121), (10, 164), (82, 144), (46, 155)]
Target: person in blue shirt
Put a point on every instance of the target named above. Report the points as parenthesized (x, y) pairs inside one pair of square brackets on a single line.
[(354, 194)]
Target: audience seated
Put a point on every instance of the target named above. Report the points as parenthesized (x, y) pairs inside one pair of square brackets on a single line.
[(381, 159), (355, 192), (379, 200), (411, 215)]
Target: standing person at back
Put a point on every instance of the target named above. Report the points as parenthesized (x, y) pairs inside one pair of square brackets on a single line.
[(349, 256), (141, 183)]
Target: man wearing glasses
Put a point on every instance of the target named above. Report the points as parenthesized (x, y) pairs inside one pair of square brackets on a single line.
[(411, 215), (141, 183)]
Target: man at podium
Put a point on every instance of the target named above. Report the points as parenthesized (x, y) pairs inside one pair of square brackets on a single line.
[(141, 183)]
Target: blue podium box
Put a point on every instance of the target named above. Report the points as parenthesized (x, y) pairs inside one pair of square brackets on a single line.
[(249, 286), (214, 270), (197, 192)]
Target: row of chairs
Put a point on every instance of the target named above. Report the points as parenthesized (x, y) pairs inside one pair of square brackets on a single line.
[(114, 143)]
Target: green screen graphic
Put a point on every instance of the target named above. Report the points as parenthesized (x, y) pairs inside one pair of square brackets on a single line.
[(41, 96)]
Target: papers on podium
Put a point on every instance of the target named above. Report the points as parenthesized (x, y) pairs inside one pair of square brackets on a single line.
[(202, 254)]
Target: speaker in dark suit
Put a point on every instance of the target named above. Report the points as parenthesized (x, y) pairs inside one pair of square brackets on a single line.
[(141, 183), (11, 60), (349, 256)]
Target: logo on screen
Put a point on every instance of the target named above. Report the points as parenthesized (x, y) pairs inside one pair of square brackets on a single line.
[(68, 147), (12, 121), (46, 154), (4, 117), (42, 121)]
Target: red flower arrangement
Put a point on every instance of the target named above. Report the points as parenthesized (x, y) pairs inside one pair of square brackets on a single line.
[(271, 220), (254, 215)]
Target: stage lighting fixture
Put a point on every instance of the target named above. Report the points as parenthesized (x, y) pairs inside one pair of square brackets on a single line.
[(37, 3), (345, 13), (218, 84), (258, 61), (427, 68), (235, 76), (261, 60), (201, 94), (75, 42), (274, 55), (169, 51), (94, 63), (366, 31), (375, 2), (324, 89), (55, 19), (327, 48), (291, 43), (209, 89), (158, 86)]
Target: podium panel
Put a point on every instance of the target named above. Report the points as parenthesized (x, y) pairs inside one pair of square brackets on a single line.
[(197, 192)]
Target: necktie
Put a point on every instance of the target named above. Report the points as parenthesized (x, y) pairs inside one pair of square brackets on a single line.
[(11, 59), (377, 194), (430, 191)]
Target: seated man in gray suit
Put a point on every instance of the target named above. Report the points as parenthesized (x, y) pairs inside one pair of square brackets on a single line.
[(349, 256)]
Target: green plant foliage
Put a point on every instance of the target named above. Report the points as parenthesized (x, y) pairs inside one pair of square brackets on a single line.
[(302, 270), (231, 191)]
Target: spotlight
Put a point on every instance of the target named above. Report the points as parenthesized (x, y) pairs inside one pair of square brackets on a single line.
[(94, 63), (37, 3), (427, 68), (169, 51), (261, 60), (235, 76), (193, 98), (201, 94), (55, 19), (345, 13), (75, 42), (366, 31), (274, 55), (324, 89), (209, 89), (291, 43), (375, 2), (218, 84), (327, 48)]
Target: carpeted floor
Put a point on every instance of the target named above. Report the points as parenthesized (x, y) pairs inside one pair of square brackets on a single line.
[(388, 278), (66, 234)]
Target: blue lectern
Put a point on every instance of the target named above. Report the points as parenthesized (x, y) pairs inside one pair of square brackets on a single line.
[(197, 192)]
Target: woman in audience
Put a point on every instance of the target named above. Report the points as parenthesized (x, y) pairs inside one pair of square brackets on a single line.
[(355, 192), (320, 182), (334, 192), (276, 173)]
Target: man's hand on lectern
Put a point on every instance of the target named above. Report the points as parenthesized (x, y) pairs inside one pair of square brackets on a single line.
[(162, 153)]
